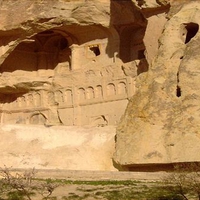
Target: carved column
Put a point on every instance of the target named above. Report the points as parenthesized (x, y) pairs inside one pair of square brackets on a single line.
[(74, 57)]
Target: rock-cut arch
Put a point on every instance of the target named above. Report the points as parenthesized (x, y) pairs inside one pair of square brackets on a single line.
[(111, 90), (121, 87), (38, 118), (45, 50)]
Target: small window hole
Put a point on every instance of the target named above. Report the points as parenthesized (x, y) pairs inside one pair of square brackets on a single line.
[(192, 29), (178, 91), (95, 50)]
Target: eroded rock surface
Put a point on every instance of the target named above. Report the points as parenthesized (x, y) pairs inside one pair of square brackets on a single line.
[(71, 148), (77, 63), (161, 122), (69, 63), (60, 63)]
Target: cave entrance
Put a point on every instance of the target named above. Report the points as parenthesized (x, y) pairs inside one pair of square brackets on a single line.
[(191, 31), (44, 51), (131, 43)]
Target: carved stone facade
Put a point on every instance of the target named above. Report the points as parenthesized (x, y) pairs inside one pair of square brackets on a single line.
[(78, 63), (75, 105), (69, 67), (81, 79)]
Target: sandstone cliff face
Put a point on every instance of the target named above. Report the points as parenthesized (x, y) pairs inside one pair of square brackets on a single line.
[(78, 63), (63, 57), (71, 148), (67, 63), (56, 60), (161, 122)]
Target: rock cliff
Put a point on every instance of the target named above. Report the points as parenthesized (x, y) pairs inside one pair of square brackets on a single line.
[(82, 63), (161, 122), (66, 63), (61, 57)]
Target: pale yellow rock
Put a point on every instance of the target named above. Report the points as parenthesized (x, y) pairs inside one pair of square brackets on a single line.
[(76, 64), (161, 122), (72, 148), (61, 61)]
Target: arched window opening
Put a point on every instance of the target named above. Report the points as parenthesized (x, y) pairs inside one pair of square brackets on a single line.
[(192, 29), (90, 93), (38, 118), (81, 94), (122, 88), (68, 96), (98, 91), (111, 90), (95, 50)]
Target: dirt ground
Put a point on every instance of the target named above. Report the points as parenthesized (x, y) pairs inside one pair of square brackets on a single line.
[(85, 185), (91, 190), (91, 185)]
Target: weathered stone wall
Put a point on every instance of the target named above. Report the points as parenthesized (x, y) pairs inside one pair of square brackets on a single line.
[(161, 121), (78, 63), (60, 65), (58, 147)]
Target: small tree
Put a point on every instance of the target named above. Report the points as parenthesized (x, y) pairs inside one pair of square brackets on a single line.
[(24, 185), (184, 180)]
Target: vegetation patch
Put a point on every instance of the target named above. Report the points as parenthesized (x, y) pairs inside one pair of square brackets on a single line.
[(182, 184)]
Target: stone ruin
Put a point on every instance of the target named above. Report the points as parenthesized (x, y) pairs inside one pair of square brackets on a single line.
[(94, 63), (70, 75), (92, 97)]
